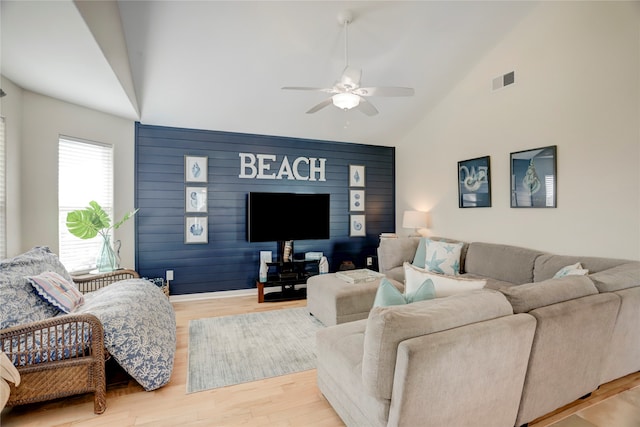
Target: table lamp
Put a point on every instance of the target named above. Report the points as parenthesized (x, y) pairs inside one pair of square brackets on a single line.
[(415, 220)]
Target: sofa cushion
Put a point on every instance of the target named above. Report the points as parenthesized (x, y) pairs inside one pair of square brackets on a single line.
[(547, 265), (20, 304), (56, 290), (491, 282), (502, 262), (393, 252), (617, 278), (525, 298), (387, 327), (387, 294), (444, 285), (396, 273)]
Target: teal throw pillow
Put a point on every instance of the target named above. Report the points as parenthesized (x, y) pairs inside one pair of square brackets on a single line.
[(421, 253), (388, 295)]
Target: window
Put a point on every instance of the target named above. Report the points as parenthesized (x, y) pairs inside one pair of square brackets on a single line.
[(85, 173), (3, 194)]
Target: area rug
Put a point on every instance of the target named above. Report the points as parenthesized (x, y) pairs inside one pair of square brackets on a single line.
[(248, 347)]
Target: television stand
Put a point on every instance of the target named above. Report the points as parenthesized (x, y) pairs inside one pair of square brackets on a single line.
[(288, 276), (288, 292)]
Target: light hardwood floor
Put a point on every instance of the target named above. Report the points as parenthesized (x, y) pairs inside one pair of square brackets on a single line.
[(290, 400)]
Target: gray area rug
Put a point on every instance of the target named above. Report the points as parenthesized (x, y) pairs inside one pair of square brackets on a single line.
[(248, 347)]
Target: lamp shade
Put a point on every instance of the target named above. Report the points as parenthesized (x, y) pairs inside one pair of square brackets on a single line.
[(414, 219), (346, 100)]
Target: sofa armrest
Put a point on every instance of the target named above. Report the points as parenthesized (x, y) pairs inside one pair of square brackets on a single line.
[(387, 327), (440, 373), (92, 282), (58, 338), (57, 357)]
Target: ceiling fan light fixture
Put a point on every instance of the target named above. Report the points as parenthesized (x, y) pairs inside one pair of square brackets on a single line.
[(345, 101)]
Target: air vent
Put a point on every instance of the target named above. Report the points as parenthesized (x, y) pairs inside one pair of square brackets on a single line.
[(504, 80)]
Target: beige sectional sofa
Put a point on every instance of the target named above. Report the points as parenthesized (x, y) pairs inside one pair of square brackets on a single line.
[(502, 356)]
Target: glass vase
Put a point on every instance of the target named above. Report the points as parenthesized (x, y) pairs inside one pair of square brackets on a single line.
[(107, 260)]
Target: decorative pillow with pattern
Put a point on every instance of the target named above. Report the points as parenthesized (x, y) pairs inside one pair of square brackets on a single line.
[(442, 257), (571, 270), (444, 285), (388, 294), (56, 290)]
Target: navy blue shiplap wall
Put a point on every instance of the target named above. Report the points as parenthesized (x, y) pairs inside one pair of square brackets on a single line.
[(228, 261)]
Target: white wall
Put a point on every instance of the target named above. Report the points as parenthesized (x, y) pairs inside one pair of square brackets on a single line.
[(577, 86), (11, 110), (43, 120)]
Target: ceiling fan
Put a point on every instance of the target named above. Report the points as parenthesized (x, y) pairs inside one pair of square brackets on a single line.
[(347, 92)]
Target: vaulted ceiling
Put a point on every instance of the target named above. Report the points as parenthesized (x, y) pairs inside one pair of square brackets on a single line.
[(220, 65)]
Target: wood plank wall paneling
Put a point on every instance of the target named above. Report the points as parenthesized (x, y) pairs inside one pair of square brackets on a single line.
[(228, 261)]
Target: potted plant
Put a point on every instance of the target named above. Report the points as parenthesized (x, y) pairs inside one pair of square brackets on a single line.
[(88, 223)]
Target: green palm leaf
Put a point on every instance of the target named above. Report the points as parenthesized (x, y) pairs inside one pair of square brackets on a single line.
[(87, 223)]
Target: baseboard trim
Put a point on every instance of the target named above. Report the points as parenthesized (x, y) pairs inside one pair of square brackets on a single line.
[(218, 294)]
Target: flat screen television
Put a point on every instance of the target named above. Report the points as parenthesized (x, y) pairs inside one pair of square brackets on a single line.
[(277, 217)]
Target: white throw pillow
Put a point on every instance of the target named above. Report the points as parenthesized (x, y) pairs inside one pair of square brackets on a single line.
[(571, 270), (444, 285), (442, 257)]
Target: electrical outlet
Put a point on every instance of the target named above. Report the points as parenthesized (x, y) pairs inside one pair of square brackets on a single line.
[(169, 274), (369, 261)]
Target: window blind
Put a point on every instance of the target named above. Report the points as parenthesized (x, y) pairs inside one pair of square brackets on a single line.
[(85, 173), (3, 193)]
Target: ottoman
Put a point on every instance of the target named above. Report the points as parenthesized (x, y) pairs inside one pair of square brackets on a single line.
[(333, 301)]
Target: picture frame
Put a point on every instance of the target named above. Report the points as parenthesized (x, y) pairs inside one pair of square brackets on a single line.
[(356, 200), (195, 168), (196, 230), (474, 183), (356, 175), (357, 226), (195, 199), (534, 178)]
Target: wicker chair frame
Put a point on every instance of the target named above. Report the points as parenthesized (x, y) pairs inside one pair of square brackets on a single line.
[(52, 371), (92, 282)]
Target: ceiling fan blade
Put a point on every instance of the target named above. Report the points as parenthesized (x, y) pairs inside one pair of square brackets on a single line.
[(314, 89), (351, 77), (385, 91), (366, 107), (320, 106)]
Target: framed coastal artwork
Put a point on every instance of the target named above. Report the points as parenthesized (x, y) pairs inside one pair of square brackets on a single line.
[(356, 175), (356, 200), (474, 183), (357, 226), (195, 168), (195, 199), (533, 178), (196, 229)]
